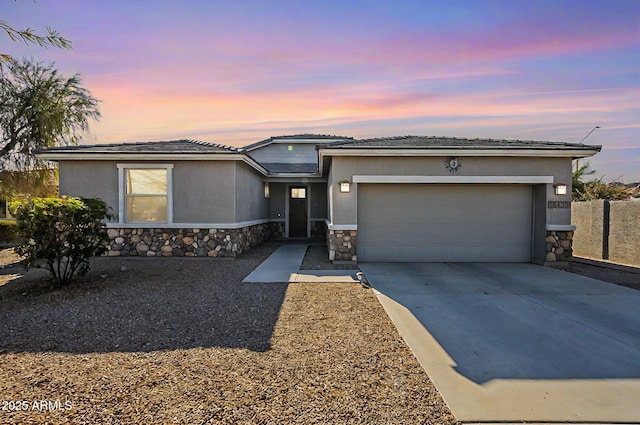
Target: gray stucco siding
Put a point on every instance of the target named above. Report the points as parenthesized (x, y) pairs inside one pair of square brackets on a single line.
[(91, 179), (318, 200), (539, 222), (277, 199), (204, 192), (250, 203), (344, 205), (288, 153)]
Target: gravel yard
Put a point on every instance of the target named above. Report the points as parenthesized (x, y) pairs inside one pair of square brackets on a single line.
[(183, 341)]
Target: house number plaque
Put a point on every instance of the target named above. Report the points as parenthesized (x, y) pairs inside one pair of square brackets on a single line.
[(559, 204)]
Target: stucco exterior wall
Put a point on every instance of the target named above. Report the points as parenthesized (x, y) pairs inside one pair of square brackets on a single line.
[(93, 179), (318, 200), (289, 153), (343, 205), (588, 217), (624, 232), (204, 192), (250, 201), (607, 230), (539, 250), (277, 200)]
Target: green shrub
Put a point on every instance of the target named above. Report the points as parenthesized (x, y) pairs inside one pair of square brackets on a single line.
[(61, 234), (7, 231)]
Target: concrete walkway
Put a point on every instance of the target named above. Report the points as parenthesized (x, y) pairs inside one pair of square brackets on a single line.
[(284, 266), (518, 342)]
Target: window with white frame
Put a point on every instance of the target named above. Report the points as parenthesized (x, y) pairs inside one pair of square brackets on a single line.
[(145, 193)]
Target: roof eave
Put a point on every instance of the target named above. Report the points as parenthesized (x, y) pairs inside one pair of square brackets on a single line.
[(150, 156), (294, 175), (452, 151)]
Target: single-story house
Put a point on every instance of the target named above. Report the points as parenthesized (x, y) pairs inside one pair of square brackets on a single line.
[(429, 199)]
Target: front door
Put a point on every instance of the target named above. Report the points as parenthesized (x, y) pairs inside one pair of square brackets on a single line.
[(297, 212)]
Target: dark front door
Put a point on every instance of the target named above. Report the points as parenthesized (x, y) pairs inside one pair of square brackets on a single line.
[(297, 212)]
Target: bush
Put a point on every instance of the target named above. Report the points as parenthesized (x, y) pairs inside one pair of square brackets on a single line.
[(7, 231), (61, 234), (596, 189)]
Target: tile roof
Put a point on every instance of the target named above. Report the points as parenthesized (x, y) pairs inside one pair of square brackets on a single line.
[(327, 137), (429, 142), (283, 168), (171, 146)]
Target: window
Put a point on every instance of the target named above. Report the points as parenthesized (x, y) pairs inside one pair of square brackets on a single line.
[(145, 193), (298, 192)]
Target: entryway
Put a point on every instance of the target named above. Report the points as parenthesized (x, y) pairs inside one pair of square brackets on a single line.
[(298, 212)]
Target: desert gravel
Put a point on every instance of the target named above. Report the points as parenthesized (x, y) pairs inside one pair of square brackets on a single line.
[(183, 341)]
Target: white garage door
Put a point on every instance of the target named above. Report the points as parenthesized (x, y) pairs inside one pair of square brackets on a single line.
[(434, 223)]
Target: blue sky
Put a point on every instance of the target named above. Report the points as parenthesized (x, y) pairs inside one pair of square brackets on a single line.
[(235, 72)]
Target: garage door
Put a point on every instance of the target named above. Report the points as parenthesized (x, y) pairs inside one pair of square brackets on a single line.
[(433, 223)]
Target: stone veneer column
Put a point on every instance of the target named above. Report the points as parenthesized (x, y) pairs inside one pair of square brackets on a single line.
[(162, 242), (559, 246), (341, 245)]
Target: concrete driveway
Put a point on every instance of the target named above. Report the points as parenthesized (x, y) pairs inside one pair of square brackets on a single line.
[(518, 342)]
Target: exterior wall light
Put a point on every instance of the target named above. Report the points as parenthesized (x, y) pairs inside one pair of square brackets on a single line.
[(345, 187), (560, 189), (266, 189)]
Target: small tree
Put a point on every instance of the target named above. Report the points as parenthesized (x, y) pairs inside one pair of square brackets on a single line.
[(595, 188), (40, 108), (61, 234)]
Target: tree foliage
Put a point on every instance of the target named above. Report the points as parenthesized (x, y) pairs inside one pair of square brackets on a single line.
[(27, 36), (61, 234), (15, 184), (40, 108), (595, 188)]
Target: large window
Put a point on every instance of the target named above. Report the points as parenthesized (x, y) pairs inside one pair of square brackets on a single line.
[(146, 193)]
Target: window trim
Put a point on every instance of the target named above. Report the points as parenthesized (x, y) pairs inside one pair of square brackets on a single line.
[(122, 192)]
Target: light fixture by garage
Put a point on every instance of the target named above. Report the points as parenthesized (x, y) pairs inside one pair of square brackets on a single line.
[(560, 188)]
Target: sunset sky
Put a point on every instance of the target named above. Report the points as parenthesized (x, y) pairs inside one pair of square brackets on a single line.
[(235, 72)]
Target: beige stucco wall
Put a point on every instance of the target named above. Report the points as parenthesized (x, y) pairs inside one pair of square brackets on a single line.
[(344, 205), (588, 217), (92, 179), (624, 232), (607, 230)]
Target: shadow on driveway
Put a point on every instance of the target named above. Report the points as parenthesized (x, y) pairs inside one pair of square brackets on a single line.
[(155, 304), (519, 321)]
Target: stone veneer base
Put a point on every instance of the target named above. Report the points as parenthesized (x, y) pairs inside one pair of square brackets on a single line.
[(559, 246), (190, 242), (342, 244)]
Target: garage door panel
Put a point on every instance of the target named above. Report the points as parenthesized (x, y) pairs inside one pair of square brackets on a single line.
[(463, 254), (444, 222)]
